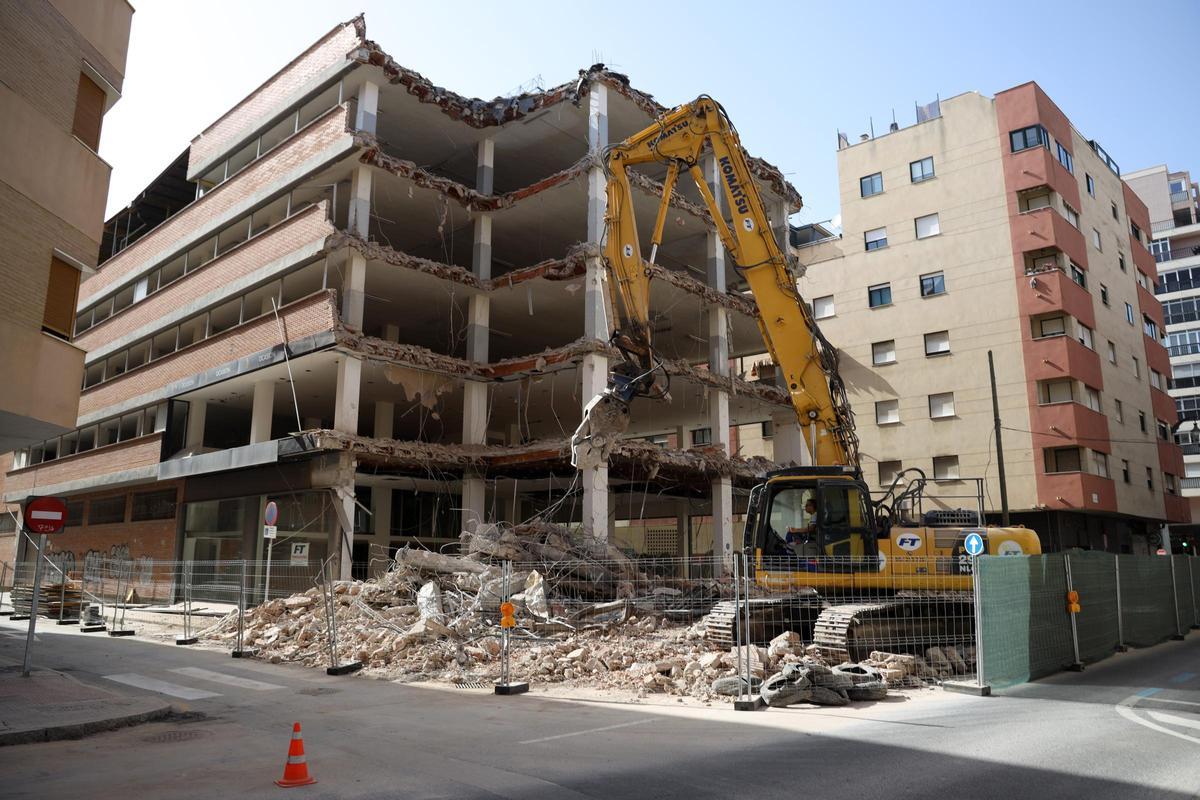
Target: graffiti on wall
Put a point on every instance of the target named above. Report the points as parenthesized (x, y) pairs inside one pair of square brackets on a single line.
[(141, 568)]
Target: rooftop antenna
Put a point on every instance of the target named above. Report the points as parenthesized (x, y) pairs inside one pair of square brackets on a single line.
[(894, 126)]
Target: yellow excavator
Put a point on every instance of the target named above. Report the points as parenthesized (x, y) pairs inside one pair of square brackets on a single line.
[(814, 532)]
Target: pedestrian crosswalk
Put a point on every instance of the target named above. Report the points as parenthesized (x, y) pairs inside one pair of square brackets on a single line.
[(185, 691)]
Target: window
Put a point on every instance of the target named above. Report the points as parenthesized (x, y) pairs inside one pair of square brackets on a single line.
[(1099, 464), (89, 112), (1062, 459), (1119, 410), (945, 468), (1096, 240), (61, 293), (1071, 214), (1052, 326), (1025, 138), (153, 505), (932, 284), (1137, 367), (1091, 398), (888, 470), (1134, 231), (823, 307), (871, 184), (1085, 336), (883, 352), (1078, 275), (1091, 184), (74, 513), (1149, 327), (876, 239), (1129, 313), (1124, 470), (1121, 261), (768, 429), (1169, 482), (1116, 214), (107, 510), (1064, 158), (879, 295), (921, 170), (937, 343), (1060, 391), (1156, 379), (1103, 294), (1163, 429), (1149, 479), (941, 405), (1142, 421), (1112, 352), (927, 226), (887, 412)]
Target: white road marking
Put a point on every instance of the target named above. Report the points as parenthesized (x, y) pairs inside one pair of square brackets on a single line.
[(1125, 709), (162, 687), (1168, 700), (590, 730), (1171, 719), (231, 680)]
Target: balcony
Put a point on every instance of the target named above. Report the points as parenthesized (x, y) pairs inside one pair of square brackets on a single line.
[(1170, 458), (1056, 357), (1045, 227), (1036, 167), (1177, 507), (131, 461), (1143, 260), (1049, 290), (1070, 423), (1076, 491), (1163, 405)]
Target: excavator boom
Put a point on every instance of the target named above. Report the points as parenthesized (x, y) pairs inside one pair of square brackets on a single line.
[(808, 362)]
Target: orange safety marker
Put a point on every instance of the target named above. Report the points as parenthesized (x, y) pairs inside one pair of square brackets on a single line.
[(295, 773)]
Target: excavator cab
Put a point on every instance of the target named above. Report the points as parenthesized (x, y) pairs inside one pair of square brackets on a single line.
[(819, 516)]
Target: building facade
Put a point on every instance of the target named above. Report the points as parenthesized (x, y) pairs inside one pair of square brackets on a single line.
[(1172, 201), (63, 63), (381, 305), (994, 226)]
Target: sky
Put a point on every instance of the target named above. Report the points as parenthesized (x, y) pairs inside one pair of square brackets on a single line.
[(790, 74)]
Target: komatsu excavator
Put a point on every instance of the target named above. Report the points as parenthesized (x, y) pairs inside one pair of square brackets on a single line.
[(810, 528)]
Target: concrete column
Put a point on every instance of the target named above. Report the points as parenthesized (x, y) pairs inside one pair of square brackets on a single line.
[(788, 441), (368, 108), (349, 386), (263, 410), (354, 285), (359, 210), (594, 369), (197, 412), (682, 515), (345, 533), (475, 400), (381, 516), (718, 362)]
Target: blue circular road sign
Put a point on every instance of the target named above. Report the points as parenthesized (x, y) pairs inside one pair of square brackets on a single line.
[(974, 544)]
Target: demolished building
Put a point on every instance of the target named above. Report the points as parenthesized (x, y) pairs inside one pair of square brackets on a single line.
[(382, 305)]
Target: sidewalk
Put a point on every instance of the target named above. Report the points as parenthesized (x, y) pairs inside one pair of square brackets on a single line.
[(52, 705)]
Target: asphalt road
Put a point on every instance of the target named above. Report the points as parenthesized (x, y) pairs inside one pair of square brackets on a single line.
[(1127, 728)]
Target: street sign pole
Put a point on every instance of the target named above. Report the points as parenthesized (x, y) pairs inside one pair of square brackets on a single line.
[(267, 584), (33, 604)]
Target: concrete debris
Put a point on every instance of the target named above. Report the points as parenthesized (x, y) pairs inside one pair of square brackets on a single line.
[(632, 458), (765, 392), (740, 303)]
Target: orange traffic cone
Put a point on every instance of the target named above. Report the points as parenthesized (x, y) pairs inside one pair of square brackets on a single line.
[(295, 773)]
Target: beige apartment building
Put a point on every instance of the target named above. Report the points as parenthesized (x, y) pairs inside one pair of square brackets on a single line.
[(994, 225), (1173, 201), (63, 64)]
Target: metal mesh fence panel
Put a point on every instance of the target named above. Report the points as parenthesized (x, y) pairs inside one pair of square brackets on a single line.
[(1094, 576), (1026, 630), (1182, 587), (1194, 582), (1147, 600)]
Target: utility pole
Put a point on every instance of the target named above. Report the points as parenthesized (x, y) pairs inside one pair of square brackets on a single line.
[(999, 443)]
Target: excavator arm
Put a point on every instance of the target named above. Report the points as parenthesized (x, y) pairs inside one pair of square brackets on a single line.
[(807, 360)]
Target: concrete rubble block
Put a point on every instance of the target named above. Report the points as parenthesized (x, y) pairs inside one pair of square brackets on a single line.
[(939, 663), (956, 660)]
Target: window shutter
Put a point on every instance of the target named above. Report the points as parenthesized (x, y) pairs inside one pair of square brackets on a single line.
[(89, 112), (61, 295)]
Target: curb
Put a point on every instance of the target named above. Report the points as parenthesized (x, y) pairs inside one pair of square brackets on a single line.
[(79, 730)]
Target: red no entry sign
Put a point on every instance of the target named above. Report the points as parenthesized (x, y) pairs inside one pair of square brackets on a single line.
[(271, 513), (45, 514)]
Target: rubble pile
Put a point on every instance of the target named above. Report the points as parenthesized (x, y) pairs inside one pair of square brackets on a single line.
[(587, 617)]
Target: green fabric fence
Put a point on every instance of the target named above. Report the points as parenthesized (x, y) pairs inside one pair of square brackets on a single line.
[(1026, 632)]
